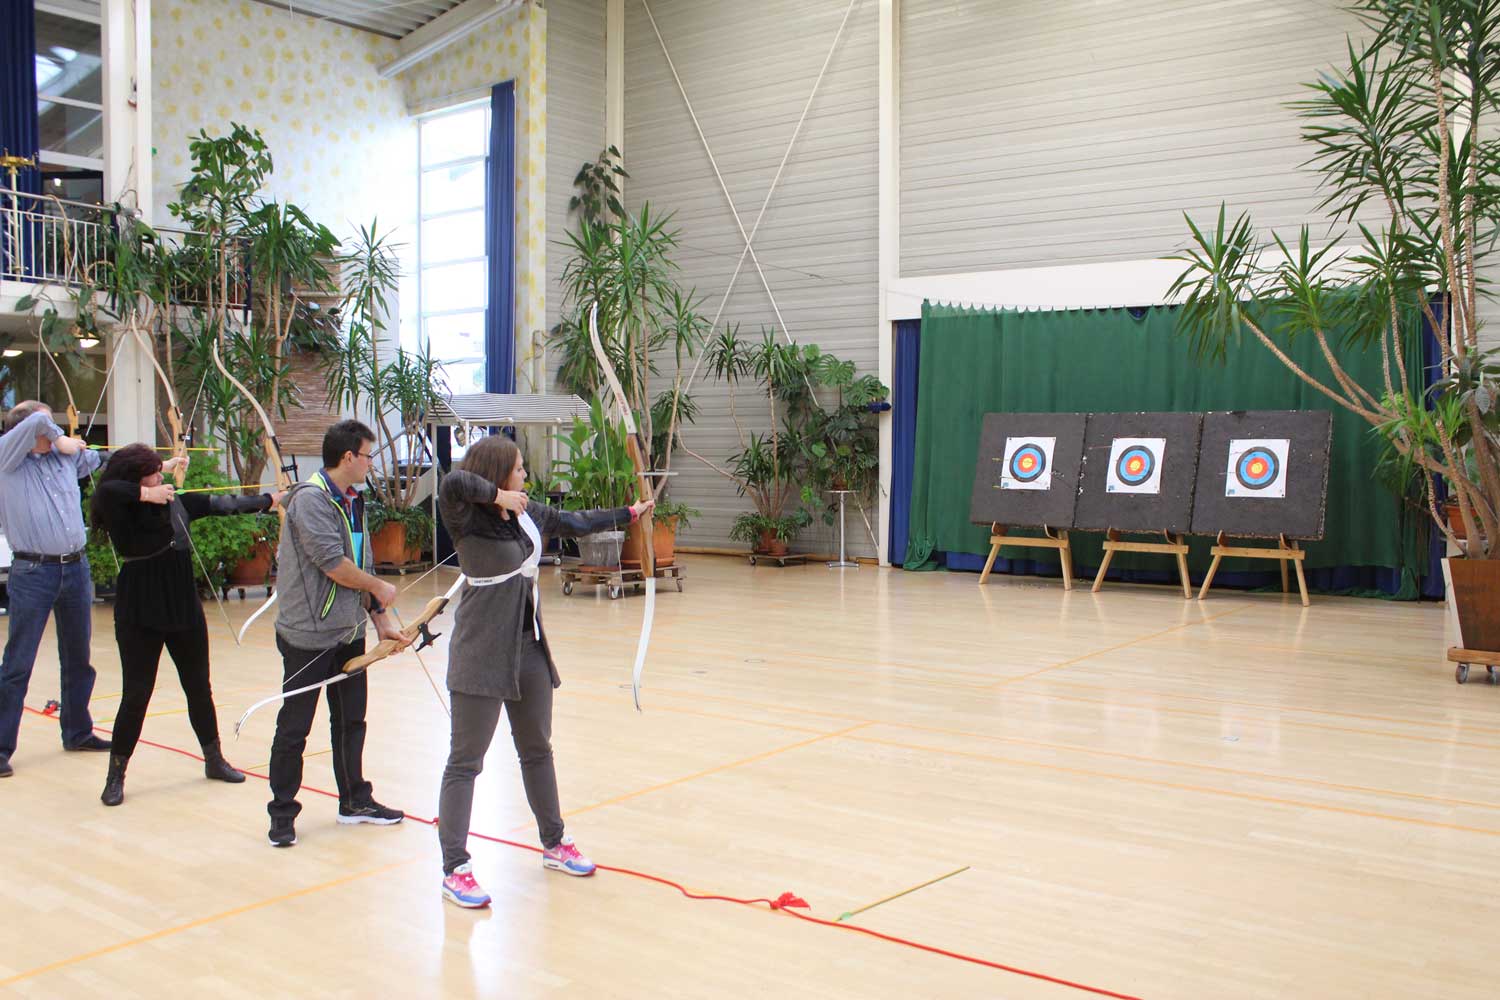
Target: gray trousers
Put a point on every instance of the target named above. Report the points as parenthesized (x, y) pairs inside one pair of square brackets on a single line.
[(474, 721)]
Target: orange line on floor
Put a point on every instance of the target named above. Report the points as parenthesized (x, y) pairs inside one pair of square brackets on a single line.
[(1183, 787), (1072, 748), (200, 922), (1280, 722), (714, 770), (1123, 645)]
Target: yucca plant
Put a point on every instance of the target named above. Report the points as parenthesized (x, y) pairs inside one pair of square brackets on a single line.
[(1411, 182)]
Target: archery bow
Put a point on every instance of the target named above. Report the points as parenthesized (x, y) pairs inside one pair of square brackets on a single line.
[(284, 472), (637, 454), (417, 632)]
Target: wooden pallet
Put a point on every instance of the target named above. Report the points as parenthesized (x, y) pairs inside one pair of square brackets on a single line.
[(616, 578), (790, 558)]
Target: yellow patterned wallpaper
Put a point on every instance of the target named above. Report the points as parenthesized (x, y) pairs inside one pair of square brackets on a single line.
[(511, 47), (343, 145)]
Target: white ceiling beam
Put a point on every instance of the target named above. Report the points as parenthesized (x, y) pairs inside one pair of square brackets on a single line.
[(441, 32)]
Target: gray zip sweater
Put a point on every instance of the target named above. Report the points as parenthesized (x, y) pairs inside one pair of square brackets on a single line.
[(314, 612)]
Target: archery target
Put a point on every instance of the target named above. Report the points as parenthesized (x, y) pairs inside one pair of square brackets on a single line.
[(1135, 465), (1257, 468), (1027, 463)]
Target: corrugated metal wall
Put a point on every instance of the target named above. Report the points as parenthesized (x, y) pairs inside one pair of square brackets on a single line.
[(1080, 130), (575, 119), (748, 69)]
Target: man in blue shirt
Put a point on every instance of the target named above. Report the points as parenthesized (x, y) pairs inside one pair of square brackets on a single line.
[(42, 512)]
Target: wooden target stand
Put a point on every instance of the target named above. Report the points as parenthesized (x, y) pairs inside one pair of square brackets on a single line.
[(1284, 552), (1171, 545), (1050, 540)]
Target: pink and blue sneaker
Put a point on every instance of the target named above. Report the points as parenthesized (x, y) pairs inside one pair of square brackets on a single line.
[(566, 858), (461, 888)]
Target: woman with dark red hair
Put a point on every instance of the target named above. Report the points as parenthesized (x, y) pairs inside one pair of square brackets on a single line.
[(156, 598)]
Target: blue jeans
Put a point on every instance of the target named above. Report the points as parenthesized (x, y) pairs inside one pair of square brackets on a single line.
[(36, 591)]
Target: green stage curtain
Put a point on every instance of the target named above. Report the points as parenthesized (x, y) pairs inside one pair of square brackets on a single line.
[(978, 361)]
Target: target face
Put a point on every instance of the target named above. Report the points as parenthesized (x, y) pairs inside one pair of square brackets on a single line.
[(1027, 463), (1135, 465), (1257, 468)]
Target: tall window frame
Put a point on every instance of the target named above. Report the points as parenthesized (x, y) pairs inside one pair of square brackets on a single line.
[(66, 93), (452, 260)]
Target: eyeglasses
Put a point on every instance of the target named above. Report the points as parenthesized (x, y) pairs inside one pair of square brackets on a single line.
[(366, 455)]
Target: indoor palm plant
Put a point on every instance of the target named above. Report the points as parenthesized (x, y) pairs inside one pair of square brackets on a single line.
[(395, 388), (1399, 139)]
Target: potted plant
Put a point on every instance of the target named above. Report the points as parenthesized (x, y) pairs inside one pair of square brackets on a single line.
[(597, 472), (396, 394), (807, 446), (647, 323), (1396, 136)]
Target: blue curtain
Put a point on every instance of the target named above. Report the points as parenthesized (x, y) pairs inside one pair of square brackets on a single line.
[(499, 242), (903, 431), (18, 125)]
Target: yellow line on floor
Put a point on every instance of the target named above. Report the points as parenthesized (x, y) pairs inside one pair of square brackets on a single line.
[(202, 921)]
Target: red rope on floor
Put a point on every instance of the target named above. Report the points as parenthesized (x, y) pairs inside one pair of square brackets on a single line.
[(787, 902)]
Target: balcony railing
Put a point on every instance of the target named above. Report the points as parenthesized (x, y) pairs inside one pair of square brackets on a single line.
[(53, 241)]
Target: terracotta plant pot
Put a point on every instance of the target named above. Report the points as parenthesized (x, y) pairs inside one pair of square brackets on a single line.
[(664, 547), (254, 569), (769, 544), (1456, 524), (390, 548), (1474, 601)]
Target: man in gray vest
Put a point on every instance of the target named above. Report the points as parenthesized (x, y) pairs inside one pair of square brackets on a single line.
[(325, 594)]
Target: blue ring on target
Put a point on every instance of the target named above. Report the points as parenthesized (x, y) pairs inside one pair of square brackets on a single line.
[(1135, 465), (1027, 463), (1257, 468)]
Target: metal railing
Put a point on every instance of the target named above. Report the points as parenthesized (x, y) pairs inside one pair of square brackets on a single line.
[(47, 240)]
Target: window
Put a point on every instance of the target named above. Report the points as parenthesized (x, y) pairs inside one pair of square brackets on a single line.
[(69, 93), (452, 269)]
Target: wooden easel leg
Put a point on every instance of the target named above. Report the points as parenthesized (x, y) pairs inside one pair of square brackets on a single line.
[(1066, 555), (994, 551), (1182, 571), (1283, 576), (1103, 568), (1208, 580), (1301, 581)]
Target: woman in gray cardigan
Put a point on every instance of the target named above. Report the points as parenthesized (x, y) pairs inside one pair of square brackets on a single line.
[(498, 655)]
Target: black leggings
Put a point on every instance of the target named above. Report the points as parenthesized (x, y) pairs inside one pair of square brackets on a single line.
[(140, 654)]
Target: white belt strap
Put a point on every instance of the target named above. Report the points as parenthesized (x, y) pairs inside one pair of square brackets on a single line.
[(529, 569)]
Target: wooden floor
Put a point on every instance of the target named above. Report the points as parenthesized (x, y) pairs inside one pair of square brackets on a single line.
[(1154, 797)]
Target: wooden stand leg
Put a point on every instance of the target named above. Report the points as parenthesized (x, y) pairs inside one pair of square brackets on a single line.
[(1182, 570), (996, 533), (1213, 568), (1065, 553), (1103, 568), (1284, 576), (1301, 579)]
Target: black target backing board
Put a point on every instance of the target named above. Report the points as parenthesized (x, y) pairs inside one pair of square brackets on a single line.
[(1042, 474), (1156, 453), (1276, 489)]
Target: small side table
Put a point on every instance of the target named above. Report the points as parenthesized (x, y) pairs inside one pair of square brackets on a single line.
[(843, 561)]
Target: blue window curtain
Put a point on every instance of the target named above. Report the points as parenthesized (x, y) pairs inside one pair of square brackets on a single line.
[(499, 242), (903, 432), (18, 124)]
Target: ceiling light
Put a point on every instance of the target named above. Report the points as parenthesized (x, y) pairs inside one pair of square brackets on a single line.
[(10, 353), (88, 342)]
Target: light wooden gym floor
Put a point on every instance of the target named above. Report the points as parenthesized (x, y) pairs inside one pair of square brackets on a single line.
[(1159, 798)]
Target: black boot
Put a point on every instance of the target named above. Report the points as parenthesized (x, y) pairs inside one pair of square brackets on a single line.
[(114, 784), (216, 767)]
